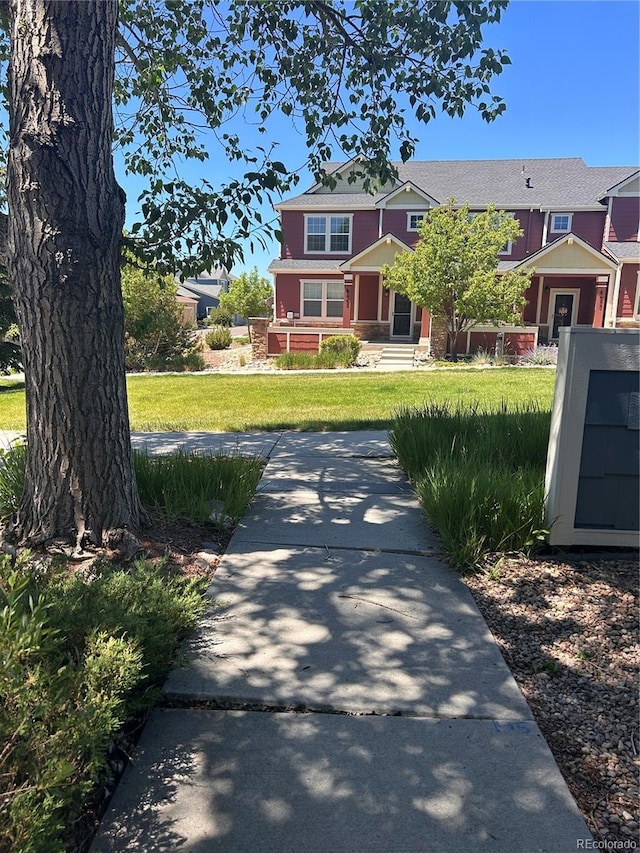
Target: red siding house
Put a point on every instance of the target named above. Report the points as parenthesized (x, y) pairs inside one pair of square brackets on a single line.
[(580, 227)]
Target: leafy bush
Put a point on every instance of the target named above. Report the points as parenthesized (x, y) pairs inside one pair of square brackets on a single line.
[(220, 316), (479, 474), (155, 336), (307, 361), (541, 355), (345, 347), (218, 338), (77, 657)]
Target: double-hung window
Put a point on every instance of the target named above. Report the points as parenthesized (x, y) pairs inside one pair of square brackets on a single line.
[(322, 299), (561, 223), (413, 220), (328, 234)]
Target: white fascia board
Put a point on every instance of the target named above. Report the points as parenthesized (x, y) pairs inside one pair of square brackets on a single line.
[(615, 189), (408, 186), (330, 205)]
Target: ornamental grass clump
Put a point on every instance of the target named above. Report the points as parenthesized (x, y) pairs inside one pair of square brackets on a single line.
[(479, 474), (545, 356), (307, 361)]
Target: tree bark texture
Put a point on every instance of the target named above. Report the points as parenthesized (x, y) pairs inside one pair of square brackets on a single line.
[(66, 213)]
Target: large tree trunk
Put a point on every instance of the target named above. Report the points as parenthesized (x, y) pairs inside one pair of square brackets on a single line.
[(66, 213)]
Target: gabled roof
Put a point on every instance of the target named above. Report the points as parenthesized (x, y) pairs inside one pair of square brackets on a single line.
[(624, 251), (394, 245), (408, 187), (567, 240), (565, 183), (614, 190)]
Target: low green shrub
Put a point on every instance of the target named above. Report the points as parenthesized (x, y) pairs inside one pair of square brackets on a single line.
[(307, 361), (345, 347), (218, 338), (219, 316), (77, 657)]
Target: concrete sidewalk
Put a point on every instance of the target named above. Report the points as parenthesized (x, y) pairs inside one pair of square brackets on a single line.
[(343, 692)]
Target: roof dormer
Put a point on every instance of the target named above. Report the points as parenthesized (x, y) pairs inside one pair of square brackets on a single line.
[(408, 196)]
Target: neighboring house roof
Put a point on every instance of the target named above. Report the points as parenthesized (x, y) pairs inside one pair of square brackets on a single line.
[(184, 295), (624, 251), (559, 183)]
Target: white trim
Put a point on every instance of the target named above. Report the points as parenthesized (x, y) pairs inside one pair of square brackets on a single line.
[(555, 215), (636, 306), (411, 213), (567, 239), (613, 292), (508, 249), (381, 290), (539, 303), (545, 229), (408, 186), (615, 189), (327, 234), (392, 314), (356, 297), (562, 291), (351, 263)]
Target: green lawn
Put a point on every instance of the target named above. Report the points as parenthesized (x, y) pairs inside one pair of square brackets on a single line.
[(327, 401)]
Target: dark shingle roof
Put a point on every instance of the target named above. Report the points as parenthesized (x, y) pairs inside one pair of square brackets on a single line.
[(565, 183)]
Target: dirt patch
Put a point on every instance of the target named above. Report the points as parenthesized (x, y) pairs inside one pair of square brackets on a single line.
[(569, 634)]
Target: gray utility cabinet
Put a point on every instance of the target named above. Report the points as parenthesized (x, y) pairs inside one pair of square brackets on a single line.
[(593, 464)]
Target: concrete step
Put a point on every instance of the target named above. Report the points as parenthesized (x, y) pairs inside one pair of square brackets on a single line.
[(397, 357)]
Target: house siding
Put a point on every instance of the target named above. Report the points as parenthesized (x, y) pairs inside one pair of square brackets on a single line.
[(590, 226), (627, 296), (368, 297), (625, 213), (586, 287), (364, 232)]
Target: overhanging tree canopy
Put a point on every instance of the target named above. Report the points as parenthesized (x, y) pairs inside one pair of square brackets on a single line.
[(345, 75), (453, 272)]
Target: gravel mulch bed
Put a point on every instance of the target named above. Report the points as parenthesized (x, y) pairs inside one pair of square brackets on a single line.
[(569, 633)]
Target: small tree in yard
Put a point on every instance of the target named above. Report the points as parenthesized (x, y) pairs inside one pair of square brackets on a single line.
[(155, 336), (453, 272), (250, 295)]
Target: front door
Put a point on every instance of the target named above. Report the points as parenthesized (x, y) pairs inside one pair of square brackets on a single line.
[(401, 319), (562, 312)]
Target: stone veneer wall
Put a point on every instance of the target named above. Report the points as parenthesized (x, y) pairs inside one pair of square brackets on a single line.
[(259, 326), (438, 339), (370, 331)]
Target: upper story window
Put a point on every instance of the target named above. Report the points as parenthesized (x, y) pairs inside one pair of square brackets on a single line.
[(506, 249), (413, 220), (561, 222), (327, 234)]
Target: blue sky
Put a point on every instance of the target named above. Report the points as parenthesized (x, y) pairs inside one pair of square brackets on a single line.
[(572, 91)]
